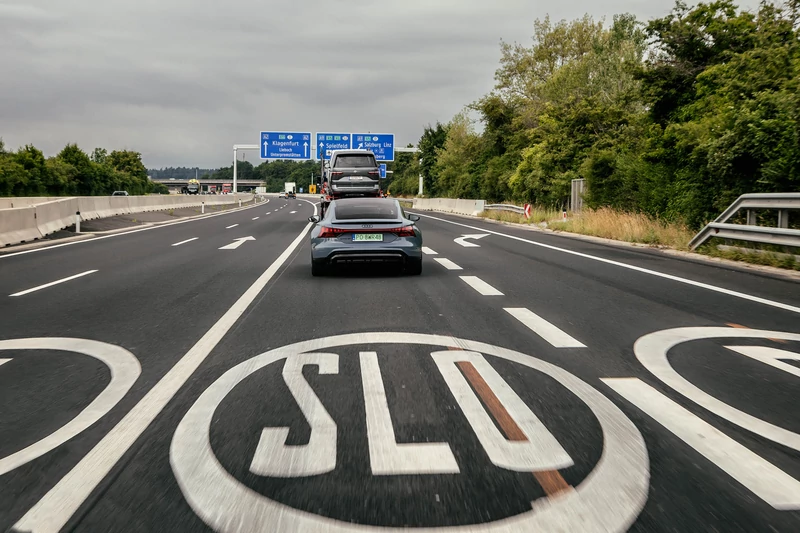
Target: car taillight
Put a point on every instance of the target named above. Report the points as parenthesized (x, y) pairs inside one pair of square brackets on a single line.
[(374, 173), (336, 174), (331, 233), (405, 231)]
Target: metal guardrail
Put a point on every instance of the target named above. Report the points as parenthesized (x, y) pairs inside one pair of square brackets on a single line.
[(750, 232), (505, 207)]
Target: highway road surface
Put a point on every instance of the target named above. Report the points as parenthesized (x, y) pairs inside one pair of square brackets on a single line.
[(195, 377)]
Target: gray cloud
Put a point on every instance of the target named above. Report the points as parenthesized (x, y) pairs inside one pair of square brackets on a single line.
[(183, 80)]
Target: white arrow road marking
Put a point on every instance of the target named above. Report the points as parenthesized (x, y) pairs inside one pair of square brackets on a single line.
[(449, 265), (187, 240), (233, 226), (125, 370), (543, 328), (481, 286), (237, 243), (466, 244), (765, 480), (40, 287), (428, 251)]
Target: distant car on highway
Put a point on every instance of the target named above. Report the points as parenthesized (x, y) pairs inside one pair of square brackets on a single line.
[(119, 193), (353, 173), (365, 230)]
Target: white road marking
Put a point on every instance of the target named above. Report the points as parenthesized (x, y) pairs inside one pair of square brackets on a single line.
[(467, 244), (770, 356), (481, 286), (46, 285), (541, 452), (386, 457), (651, 350), (231, 226), (125, 370), (543, 328), (449, 265), (686, 281), (765, 480), (273, 458), (52, 512), (255, 218), (3, 361), (237, 243), (607, 500), (187, 240), (292, 212), (428, 251)]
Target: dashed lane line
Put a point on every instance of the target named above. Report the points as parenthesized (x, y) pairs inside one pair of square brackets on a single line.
[(543, 328), (187, 240), (232, 226), (449, 265), (428, 251), (481, 286)]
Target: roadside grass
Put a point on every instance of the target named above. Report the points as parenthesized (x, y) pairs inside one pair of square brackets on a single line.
[(630, 227), (778, 257), (538, 215)]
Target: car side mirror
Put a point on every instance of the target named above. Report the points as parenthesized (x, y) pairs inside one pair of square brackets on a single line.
[(314, 219), (414, 218)]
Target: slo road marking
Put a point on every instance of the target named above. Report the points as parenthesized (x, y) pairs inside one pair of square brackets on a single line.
[(765, 480), (52, 512), (607, 500), (386, 457), (125, 370), (187, 240), (428, 251), (481, 286), (231, 226), (449, 265), (686, 281), (543, 328), (46, 285)]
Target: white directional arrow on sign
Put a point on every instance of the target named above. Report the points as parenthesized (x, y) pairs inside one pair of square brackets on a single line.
[(465, 244), (237, 243)]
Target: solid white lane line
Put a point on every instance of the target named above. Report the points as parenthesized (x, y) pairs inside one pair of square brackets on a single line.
[(765, 480), (686, 281), (255, 218), (428, 251), (543, 328), (481, 286), (187, 240), (292, 212), (232, 226), (449, 265), (52, 512), (40, 287)]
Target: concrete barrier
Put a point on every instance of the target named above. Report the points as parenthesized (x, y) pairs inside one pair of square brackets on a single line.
[(45, 215), (55, 216), (27, 201), (450, 205), (18, 225)]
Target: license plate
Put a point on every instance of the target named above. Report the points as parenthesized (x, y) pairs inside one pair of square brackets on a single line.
[(361, 237)]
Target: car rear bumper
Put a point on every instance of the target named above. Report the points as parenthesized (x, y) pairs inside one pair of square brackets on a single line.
[(333, 251)]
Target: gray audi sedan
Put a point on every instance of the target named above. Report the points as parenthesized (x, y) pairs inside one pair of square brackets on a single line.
[(365, 230)]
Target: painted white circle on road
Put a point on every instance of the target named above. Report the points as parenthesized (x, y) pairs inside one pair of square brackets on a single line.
[(124, 367), (608, 500), (651, 350)]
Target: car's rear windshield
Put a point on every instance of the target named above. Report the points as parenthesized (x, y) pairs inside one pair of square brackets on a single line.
[(367, 210), (355, 161)]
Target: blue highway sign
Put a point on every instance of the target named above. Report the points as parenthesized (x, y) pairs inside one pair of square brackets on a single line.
[(382, 168), (286, 145), (381, 144), (327, 142)]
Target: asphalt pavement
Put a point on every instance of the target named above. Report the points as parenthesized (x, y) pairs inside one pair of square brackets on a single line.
[(196, 377)]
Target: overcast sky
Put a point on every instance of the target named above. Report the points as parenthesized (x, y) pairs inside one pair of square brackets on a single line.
[(183, 80)]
